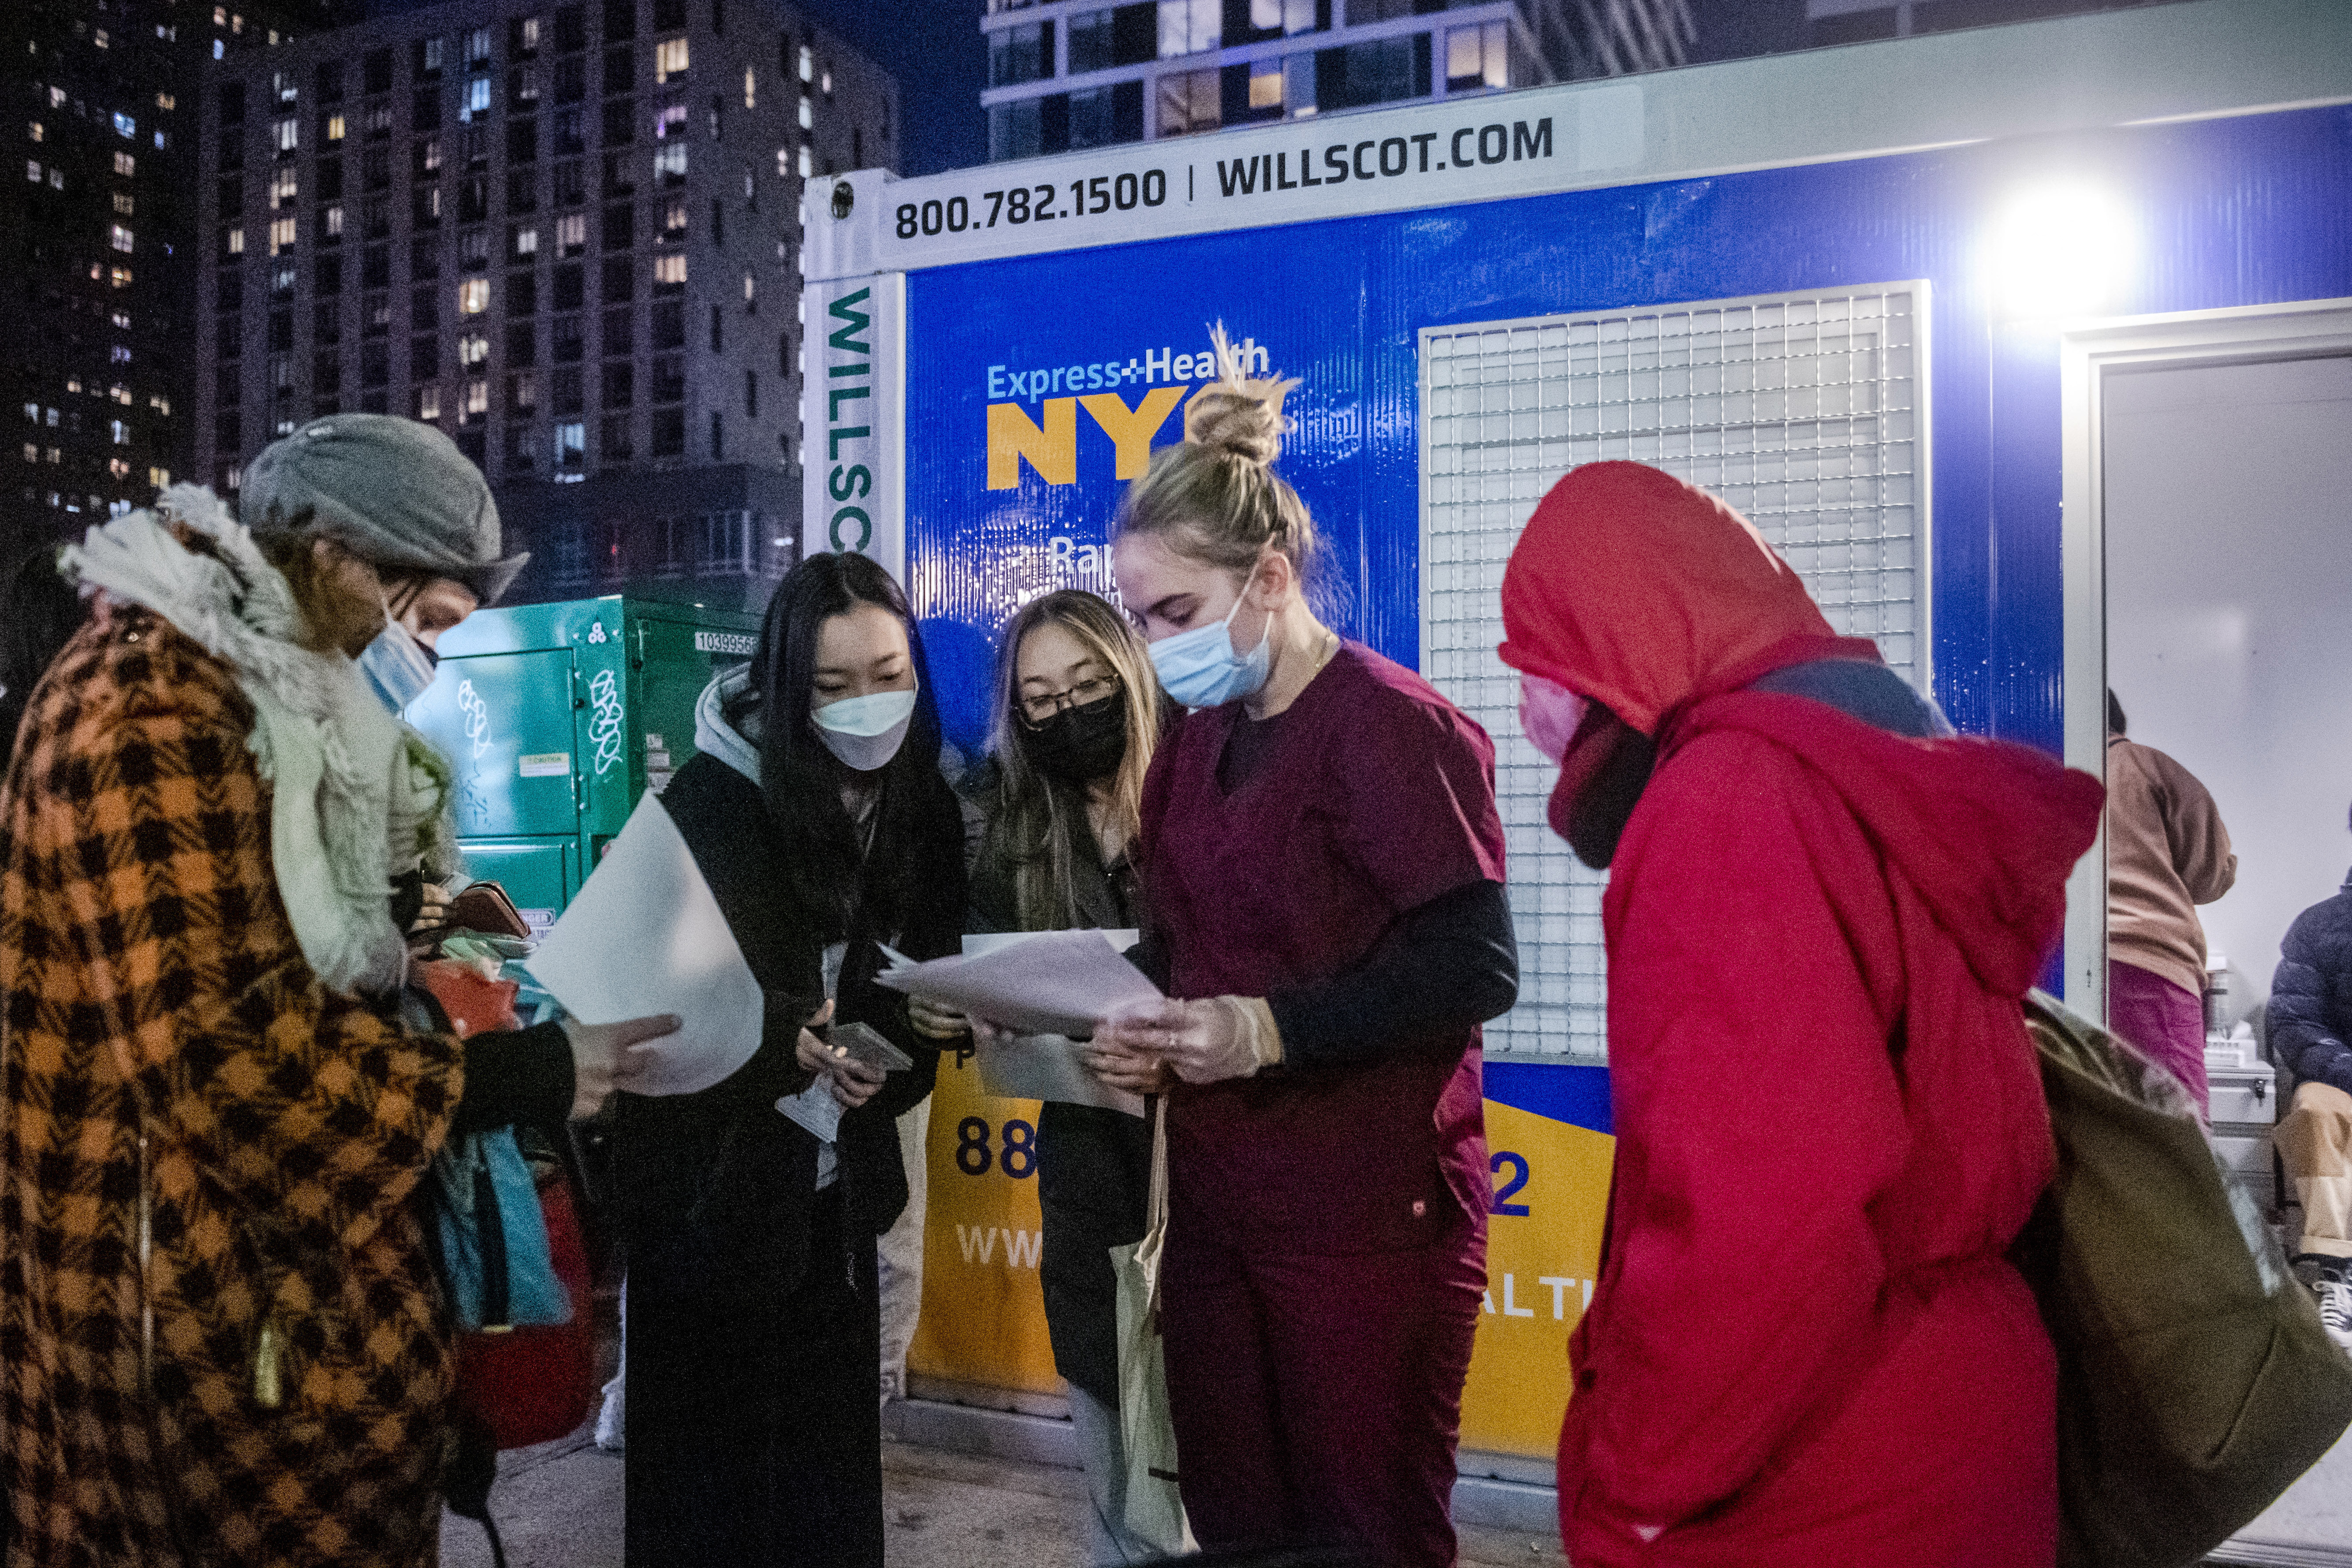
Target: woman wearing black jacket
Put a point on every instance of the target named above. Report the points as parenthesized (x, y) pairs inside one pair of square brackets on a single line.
[(816, 812), (1077, 712)]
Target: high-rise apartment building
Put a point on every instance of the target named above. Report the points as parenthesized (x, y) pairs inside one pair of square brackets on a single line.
[(567, 234), (1855, 21), (1067, 74), (100, 235)]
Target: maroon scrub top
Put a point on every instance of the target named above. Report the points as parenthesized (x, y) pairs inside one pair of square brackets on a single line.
[(1378, 795)]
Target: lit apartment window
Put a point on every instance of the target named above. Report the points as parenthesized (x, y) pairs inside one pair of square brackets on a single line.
[(125, 126), (476, 100), (121, 433), (233, 242), (428, 403), (287, 136), (571, 446), (1265, 87), (670, 60), (669, 121), (118, 237), (808, 64), (806, 163), (125, 165), (331, 228), (474, 296), (572, 233), (750, 89), (522, 242), (1189, 101), (669, 163), (1477, 58), (669, 271), (284, 186), (477, 46), (472, 349), (282, 85), (1189, 26), (123, 204), (119, 277)]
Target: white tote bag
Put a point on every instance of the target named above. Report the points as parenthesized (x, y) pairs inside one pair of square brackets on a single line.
[(1155, 1512)]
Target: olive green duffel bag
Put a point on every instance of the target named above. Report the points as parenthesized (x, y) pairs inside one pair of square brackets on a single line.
[(2195, 1383)]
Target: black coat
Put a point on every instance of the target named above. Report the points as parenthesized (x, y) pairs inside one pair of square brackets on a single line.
[(717, 1188), (2311, 994), (1094, 1165)]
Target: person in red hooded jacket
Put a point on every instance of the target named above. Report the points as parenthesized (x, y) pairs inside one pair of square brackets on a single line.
[(1807, 1345)]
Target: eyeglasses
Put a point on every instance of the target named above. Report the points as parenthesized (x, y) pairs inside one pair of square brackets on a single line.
[(1041, 708)]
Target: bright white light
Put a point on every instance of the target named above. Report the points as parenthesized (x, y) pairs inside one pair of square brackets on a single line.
[(2061, 250)]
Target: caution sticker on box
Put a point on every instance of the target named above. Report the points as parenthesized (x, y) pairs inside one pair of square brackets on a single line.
[(546, 765)]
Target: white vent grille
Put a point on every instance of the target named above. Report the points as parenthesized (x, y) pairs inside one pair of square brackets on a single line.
[(1806, 412)]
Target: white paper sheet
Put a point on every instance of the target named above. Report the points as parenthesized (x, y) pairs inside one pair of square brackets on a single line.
[(1046, 1066), (1043, 983), (645, 936), (815, 1108)]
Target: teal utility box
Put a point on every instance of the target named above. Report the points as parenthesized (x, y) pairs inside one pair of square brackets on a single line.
[(556, 717)]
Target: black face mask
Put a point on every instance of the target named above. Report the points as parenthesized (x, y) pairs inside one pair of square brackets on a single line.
[(1606, 767), (1079, 745)]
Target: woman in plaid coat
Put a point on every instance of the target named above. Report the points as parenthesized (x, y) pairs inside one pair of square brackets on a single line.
[(220, 1338)]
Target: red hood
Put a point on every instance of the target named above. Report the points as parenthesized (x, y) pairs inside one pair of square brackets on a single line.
[(1642, 591), (1985, 831)]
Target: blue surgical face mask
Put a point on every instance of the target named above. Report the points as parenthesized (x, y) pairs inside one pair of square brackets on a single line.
[(1199, 668), (398, 666), (865, 732)]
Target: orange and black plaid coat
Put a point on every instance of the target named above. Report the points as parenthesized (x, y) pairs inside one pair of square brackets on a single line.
[(221, 1341)]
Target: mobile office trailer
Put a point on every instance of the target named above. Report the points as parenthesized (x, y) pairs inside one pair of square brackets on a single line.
[(1873, 296), (555, 717)]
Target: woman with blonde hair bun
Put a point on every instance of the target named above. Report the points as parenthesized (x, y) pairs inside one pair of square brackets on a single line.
[(1323, 862)]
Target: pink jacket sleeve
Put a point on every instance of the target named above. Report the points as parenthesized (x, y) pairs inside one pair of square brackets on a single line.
[(1757, 1115)]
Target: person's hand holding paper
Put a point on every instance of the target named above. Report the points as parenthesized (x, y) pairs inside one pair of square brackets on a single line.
[(1029, 997)]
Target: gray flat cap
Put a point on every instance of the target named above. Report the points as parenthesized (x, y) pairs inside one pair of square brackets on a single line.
[(398, 492)]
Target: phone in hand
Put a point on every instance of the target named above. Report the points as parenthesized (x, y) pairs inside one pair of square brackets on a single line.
[(861, 1043)]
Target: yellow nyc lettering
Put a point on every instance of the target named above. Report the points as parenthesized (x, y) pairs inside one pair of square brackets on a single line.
[(1051, 449)]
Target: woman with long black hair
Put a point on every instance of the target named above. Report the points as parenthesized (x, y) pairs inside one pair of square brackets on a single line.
[(1077, 712), (816, 812)]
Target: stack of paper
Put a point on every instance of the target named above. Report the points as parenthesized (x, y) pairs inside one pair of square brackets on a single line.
[(1047, 987)]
